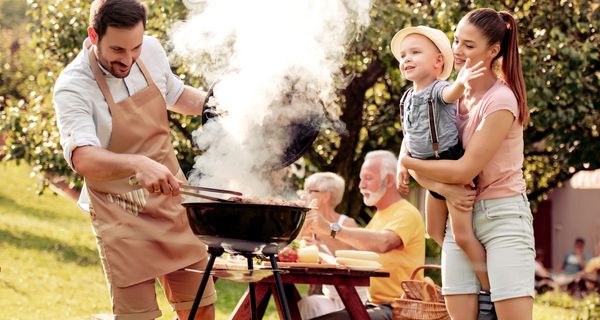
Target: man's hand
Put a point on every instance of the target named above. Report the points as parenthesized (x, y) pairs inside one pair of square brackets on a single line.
[(468, 73), (155, 177)]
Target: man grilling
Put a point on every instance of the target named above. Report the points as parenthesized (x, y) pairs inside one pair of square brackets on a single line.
[(111, 105)]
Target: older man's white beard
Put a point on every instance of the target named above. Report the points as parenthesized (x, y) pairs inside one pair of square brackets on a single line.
[(371, 198)]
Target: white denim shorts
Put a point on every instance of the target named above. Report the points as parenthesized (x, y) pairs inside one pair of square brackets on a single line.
[(505, 228)]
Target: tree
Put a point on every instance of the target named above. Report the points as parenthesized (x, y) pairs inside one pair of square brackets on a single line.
[(559, 44), (12, 13), (561, 74)]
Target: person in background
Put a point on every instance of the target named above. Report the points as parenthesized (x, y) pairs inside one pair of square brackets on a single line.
[(326, 189), (593, 264), (396, 232), (543, 278), (111, 106), (592, 271), (574, 261), (572, 268)]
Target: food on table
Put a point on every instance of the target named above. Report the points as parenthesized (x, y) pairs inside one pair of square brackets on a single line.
[(287, 255), (308, 254), (358, 263), (357, 254)]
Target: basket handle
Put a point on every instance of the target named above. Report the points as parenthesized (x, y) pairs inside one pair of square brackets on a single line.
[(425, 266)]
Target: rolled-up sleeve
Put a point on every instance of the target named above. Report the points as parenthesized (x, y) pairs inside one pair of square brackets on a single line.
[(174, 89), (174, 85), (75, 121)]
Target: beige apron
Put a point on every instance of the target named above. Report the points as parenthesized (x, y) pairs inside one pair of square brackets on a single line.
[(140, 235)]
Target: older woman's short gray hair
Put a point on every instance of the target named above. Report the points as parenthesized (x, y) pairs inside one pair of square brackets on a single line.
[(388, 163), (328, 182)]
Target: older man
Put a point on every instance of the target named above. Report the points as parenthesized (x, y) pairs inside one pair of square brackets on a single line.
[(396, 232)]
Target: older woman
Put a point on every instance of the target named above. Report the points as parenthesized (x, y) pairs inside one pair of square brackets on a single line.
[(327, 190)]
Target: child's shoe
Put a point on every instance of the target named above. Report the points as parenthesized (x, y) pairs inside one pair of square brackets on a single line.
[(486, 307)]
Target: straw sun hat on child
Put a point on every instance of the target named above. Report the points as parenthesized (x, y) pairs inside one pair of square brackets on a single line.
[(436, 36)]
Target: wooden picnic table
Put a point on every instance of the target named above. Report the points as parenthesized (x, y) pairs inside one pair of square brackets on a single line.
[(344, 281)]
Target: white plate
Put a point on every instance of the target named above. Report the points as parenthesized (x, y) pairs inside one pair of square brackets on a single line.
[(363, 268)]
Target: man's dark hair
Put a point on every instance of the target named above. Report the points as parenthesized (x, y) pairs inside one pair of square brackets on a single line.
[(580, 241), (124, 14)]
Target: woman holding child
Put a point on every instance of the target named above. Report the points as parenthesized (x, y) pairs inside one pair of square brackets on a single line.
[(491, 116)]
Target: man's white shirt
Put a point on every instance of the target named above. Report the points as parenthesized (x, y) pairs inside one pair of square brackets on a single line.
[(82, 113)]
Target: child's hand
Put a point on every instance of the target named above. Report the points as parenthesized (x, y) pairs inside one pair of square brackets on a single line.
[(402, 179), (468, 73)]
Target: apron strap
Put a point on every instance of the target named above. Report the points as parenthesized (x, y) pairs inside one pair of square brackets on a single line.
[(100, 78), (145, 72), (102, 82)]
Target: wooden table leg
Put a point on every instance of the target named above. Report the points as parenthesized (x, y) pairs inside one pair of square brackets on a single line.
[(242, 310), (292, 296), (261, 305), (355, 307)]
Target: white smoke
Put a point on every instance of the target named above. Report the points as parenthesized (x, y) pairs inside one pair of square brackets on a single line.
[(277, 62)]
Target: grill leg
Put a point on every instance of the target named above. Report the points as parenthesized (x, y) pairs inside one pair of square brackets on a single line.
[(214, 253), (280, 291), (251, 289)]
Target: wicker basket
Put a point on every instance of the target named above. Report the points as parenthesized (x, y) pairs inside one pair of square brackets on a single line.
[(421, 300)]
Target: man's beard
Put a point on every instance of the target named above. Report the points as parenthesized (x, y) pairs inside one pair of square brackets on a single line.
[(112, 66), (371, 198)]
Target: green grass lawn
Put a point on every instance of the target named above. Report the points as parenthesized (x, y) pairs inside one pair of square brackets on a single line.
[(50, 267), (49, 263)]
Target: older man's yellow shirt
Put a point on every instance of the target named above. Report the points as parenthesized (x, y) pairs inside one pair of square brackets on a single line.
[(403, 219)]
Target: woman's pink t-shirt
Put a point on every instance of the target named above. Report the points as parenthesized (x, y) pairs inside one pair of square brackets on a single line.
[(502, 176)]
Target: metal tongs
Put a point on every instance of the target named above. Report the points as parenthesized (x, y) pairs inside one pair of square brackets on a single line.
[(189, 190)]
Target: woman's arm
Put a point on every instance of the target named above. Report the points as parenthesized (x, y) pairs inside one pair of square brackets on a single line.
[(482, 147), (461, 197)]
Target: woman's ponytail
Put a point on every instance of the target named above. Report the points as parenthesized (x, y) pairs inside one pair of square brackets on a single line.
[(501, 27), (511, 64)]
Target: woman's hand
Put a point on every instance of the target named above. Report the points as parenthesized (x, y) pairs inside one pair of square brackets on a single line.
[(460, 197), (315, 223)]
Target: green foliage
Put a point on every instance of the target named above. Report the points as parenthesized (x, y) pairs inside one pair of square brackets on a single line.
[(559, 44), (12, 13), (587, 307), (57, 32), (432, 253), (562, 72)]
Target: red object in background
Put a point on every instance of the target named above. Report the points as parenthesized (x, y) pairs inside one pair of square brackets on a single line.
[(287, 255), (542, 229)]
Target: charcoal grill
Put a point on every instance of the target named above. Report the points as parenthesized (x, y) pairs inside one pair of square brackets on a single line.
[(247, 229)]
